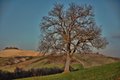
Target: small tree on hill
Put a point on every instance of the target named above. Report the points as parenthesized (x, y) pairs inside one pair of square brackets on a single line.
[(11, 48), (70, 31)]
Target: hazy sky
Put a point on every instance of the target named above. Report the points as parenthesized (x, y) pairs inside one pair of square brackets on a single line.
[(20, 19)]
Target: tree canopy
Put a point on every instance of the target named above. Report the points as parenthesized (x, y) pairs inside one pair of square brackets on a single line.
[(71, 30)]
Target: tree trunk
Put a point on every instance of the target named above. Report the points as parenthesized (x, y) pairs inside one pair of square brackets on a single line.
[(67, 64)]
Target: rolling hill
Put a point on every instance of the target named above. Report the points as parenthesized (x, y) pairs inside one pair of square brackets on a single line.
[(17, 52), (26, 59), (90, 64)]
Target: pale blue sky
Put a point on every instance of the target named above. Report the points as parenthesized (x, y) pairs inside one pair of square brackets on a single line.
[(20, 19)]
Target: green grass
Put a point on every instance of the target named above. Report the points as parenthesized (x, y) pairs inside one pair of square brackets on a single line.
[(105, 72)]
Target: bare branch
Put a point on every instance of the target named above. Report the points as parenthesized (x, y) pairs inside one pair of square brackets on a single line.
[(71, 30)]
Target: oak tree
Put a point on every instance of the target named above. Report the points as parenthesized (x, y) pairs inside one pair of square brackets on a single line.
[(69, 31)]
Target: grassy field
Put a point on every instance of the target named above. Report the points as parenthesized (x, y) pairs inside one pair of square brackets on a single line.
[(105, 72)]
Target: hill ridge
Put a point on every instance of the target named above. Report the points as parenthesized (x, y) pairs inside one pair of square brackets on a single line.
[(17, 52)]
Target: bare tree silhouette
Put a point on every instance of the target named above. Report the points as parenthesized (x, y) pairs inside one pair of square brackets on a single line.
[(70, 31)]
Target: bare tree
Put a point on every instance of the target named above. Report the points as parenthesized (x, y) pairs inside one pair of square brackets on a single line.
[(70, 31)]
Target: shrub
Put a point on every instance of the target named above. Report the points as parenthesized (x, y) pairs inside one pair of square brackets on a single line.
[(20, 73), (11, 48)]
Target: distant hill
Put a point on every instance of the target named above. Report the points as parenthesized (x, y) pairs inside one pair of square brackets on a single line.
[(17, 52)]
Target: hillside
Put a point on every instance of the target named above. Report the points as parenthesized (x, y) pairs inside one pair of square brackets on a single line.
[(87, 60), (90, 66), (17, 52), (104, 72)]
